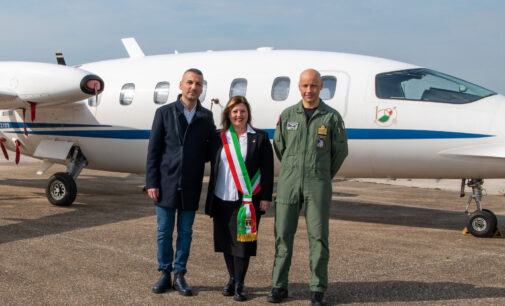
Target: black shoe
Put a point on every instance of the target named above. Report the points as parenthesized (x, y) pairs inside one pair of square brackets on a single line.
[(181, 285), (239, 292), (277, 295), (229, 289), (164, 283), (317, 298)]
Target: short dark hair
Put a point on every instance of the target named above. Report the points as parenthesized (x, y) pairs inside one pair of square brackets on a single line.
[(193, 70)]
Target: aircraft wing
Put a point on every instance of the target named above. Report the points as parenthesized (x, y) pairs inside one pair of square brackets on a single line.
[(8, 99), (494, 150), (29, 83)]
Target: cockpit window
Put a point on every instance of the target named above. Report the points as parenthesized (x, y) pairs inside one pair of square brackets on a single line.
[(427, 85)]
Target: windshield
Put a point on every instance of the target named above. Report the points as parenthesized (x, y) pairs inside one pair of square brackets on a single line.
[(427, 85)]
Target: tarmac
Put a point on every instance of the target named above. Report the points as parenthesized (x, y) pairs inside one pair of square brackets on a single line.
[(389, 245)]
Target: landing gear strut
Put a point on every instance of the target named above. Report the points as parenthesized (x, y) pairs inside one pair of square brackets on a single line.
[(61, 189), (482, 222)]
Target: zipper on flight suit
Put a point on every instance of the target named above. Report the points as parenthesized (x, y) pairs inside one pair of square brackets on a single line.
[(305, 144)]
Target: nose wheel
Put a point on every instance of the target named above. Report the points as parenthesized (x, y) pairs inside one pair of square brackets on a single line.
[(482, 222)]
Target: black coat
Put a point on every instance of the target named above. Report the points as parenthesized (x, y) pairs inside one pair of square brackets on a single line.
[(259, 156), (176, 159)]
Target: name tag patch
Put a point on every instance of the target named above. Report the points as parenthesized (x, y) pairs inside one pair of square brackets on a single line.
[(292, 126)]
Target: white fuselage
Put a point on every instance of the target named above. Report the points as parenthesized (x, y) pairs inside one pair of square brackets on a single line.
[(423, 140)]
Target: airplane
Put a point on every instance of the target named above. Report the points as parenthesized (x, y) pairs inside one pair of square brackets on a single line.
[(402, 120)]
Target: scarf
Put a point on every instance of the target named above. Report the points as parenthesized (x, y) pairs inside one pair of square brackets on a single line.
[(246, 217)]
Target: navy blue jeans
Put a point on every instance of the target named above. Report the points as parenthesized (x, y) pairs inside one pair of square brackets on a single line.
[(166, 224)]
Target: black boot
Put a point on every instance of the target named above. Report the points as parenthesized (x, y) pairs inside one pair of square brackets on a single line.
[(239, 292), (181, 285), (164, 283), (317, 298), (277, 295), (229, 289)]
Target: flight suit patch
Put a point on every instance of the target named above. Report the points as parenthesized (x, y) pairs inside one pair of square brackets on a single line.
[(292, 126), (322, 133)]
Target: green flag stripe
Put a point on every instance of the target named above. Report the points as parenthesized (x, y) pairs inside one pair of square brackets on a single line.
[(240, 159)]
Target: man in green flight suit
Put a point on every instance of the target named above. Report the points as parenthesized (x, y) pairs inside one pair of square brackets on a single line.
[(311, 143)]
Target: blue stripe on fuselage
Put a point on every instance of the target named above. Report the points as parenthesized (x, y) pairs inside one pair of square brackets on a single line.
[(19, 125), (400, 134), (144, 134)]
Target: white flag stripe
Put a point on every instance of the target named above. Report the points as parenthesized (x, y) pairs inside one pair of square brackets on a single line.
[(236, 163)]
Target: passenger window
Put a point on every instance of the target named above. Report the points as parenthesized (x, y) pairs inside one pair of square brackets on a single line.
[(427, 85), (329, 86), (127, 93), (161, 92), (204, 91), (280, 88), (238, 87)]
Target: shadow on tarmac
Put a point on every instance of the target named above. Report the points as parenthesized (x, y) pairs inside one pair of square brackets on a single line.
[(103, 200), (377, 292), (408, 291)]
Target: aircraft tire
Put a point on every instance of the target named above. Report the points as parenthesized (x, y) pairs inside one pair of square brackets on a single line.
[(482, 223), (61, 189), (494, 217)]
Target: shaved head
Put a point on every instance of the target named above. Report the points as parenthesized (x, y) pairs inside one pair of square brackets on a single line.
[(310, 85), (310, 73)]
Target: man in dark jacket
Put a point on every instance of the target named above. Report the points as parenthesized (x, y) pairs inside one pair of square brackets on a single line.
[(178, 149)]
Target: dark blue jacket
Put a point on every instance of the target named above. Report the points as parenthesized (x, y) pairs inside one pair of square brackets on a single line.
[(176, 159)]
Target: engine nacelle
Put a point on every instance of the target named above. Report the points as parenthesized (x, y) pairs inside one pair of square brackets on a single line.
[(44, 83)]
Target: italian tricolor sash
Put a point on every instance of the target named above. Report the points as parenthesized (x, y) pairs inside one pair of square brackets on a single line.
[(246, 218)]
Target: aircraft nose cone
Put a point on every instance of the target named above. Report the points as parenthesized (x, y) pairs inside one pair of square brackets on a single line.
[(92, 84)]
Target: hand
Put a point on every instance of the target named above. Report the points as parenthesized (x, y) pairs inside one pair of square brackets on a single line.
[(153, 193), (264, 205)]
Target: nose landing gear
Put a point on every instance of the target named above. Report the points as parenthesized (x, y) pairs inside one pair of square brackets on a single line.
[(61, 189), (482, 222)]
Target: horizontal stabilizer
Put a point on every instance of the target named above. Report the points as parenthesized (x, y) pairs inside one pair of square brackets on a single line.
[(493, 150)]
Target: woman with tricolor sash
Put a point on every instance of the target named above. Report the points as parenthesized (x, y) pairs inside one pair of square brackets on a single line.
[(240, 190)]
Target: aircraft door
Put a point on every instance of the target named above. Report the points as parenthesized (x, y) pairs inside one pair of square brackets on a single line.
[(335, 90)]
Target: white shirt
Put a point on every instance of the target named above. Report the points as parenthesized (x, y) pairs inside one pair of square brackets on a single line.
[(189, 114), (225, 185)]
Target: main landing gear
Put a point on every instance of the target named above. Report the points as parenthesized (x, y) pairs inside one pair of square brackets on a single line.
[(482, 222), (61, 189)]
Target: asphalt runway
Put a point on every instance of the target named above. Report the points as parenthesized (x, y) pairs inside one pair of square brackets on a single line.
[(390, 245)]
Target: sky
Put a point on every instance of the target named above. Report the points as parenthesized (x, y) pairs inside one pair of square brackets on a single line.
[(463, 38)]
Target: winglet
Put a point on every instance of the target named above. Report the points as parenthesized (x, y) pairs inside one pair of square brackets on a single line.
[(132, 47)]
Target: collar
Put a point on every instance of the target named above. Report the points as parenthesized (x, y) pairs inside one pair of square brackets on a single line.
[(250, 130), (321, 108), (181, 107)]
